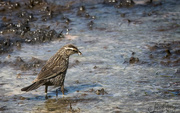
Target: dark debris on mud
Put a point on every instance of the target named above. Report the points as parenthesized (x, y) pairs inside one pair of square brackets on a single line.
[(100, 91), (33, 63), (164, 54), (120, 3), (20, 64), (3, 108), (18, 20)]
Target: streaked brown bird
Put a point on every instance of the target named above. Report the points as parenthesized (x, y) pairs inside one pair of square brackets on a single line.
[(54, 71)]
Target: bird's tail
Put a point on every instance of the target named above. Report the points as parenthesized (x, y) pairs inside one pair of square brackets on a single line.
[(34, 86)]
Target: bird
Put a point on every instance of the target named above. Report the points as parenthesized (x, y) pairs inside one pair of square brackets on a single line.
[(54, 71)]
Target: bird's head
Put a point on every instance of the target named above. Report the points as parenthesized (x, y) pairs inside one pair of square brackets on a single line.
[(71, 49)]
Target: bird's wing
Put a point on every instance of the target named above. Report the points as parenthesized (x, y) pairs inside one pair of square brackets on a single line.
[(52, 68)]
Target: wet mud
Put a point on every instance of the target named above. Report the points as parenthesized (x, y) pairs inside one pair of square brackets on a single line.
[(130, 61), (64, 105)]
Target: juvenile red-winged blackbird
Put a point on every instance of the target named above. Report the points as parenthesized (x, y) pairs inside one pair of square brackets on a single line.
[(54, 71)]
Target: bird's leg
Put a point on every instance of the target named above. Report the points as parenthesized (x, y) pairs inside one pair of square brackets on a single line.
[(62, 89), (46, 97), (46, 88)]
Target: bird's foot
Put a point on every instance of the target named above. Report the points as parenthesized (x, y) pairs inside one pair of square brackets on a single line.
[(65, 91), (46, 97), (56, 93)]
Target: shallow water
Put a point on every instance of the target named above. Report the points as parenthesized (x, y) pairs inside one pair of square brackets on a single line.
[(145, 86)]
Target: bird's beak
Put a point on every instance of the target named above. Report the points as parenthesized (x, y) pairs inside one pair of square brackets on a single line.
[(79, 53)]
